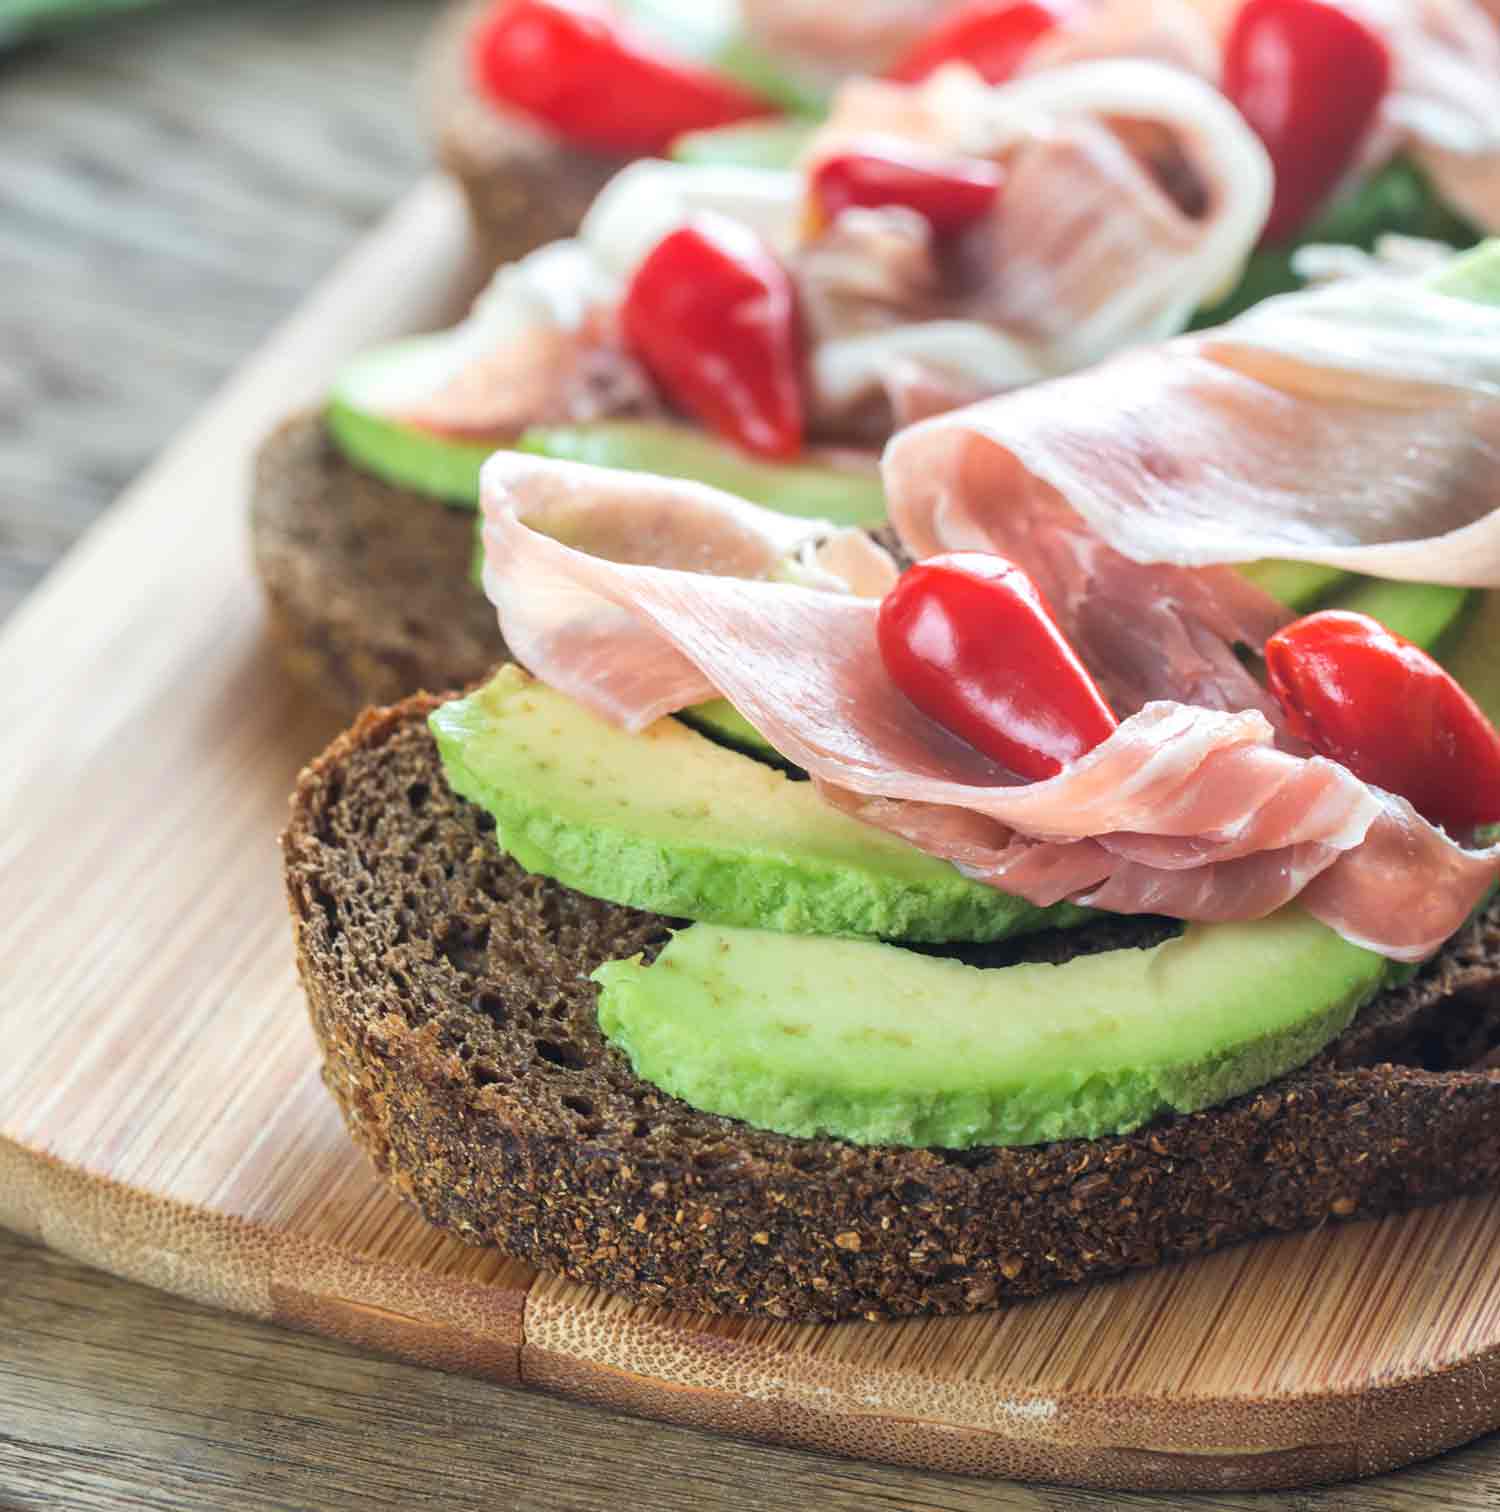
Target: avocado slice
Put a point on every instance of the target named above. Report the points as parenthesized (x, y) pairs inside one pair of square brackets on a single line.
[(669, 821), (1425, 613), (752, 144), (721, 721), (869, 1042), (1298, 585), (810, 490), (361, 425), (358, 421), (880, 1045)]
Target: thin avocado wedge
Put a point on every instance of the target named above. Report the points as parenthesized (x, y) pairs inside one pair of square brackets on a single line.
[(1298, 585), (754, 144), (671, 822), (809, 490), (1425, 613), (880, 1045), (1472, 652), (721, 721), (360, 424)]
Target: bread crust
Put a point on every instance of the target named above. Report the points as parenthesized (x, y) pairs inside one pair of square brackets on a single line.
[(367, 584), (524, 187), (449, 993)]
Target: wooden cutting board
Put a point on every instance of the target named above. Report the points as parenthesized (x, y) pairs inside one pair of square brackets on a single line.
[(161, 1114)]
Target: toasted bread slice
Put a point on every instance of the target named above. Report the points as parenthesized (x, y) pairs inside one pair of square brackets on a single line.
[(368, 583), (523, 186), (449, 991)]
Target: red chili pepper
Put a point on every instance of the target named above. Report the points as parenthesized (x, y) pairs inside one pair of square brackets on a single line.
[(1370, 700), (992, 36), (713, 316), (578, 69), (1309, 78), (950, 192), (969, 641)]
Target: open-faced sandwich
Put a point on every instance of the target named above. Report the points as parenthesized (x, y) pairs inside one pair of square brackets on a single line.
[(536, 104), (765, 329), (1375, 113), (760, 330), (1099, 878)]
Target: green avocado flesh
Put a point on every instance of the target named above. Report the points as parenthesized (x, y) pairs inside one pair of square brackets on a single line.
[(441, 466), (723, 722), (879, 1045), (1298, 585), (755, 144), (1423, 612), (809, 490), (447, 468), (671, 822)]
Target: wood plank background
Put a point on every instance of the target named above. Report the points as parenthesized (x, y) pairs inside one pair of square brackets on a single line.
[(168, 188)]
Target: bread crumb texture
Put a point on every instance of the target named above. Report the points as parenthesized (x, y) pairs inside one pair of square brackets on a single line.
[(367, 584)]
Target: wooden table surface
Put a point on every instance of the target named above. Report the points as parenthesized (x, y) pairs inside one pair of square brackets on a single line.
[(170, 185)]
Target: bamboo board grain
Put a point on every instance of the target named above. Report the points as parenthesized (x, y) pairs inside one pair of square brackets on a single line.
[(161, 1114)]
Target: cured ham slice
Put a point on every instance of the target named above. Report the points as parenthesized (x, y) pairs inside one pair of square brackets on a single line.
[(1091, 248), (1444, 104), (547, 376), (1186, 808), (1356, 425), (602, 653), (1166, 31)]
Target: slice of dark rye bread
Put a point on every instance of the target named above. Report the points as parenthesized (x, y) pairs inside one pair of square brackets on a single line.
[(523, 186), (367, 583), (449, 990)]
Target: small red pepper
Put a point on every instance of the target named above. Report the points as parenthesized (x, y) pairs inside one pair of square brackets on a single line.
[(1369, 699), (713, 315), (991, 36), (968, 639), (949, 192), (1309, 77), (579, 70)]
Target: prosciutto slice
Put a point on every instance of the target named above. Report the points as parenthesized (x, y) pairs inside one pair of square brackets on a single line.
[(1168, 31), (1090, 247), (604, 654), (1356, 425), (1187, 809), (1444, 104)]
